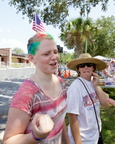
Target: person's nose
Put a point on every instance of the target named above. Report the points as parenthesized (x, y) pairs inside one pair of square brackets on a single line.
[(86, 66), (54, 56)]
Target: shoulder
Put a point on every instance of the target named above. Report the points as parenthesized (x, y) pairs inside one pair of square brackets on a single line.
[(60, 79), (28, 86), (75, 83), (75, 86), (62, 82)]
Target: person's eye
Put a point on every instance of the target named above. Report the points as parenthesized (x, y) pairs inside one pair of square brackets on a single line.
[(46, 54), (55, 52)]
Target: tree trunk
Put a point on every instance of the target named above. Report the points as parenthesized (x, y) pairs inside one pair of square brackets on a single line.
[(79, 45), (79, 49)]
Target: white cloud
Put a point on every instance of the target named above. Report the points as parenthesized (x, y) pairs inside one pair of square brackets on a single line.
[(9, 30), (12, 43), (0, 30), (26, 21)]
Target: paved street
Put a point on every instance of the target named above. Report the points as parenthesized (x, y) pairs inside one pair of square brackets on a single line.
[(7, 90)]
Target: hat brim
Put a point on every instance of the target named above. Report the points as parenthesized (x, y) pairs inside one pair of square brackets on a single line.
[(100, 65)]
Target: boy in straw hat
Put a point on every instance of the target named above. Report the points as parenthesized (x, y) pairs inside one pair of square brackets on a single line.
[(84, 97)]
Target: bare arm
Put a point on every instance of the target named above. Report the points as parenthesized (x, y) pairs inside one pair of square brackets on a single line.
[(17, 123), (101, 94), (65, 135), (75, 128), (111, 101)]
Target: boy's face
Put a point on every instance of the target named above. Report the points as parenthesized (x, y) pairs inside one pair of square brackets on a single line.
[(46, 58)]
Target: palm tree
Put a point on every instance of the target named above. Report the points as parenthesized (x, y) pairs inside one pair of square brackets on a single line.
[(75, 33)]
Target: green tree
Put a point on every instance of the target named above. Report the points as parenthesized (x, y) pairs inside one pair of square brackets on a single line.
[(18, 51), (75, 33), (66, 57), (104, 37), (55, 12)]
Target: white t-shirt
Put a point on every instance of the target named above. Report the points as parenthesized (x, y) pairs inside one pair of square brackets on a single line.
[(79, 103)]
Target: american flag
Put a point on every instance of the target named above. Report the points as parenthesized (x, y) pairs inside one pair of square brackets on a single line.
[(37, 24)]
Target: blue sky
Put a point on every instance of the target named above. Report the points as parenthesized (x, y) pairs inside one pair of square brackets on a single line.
[(15, 31)]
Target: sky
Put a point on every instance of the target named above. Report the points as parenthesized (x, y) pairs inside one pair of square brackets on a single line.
[(15, 31)]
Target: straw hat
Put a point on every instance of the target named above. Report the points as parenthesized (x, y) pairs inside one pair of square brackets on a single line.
[(86, 58)]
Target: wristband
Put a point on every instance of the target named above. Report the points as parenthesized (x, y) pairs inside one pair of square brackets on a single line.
[(38, 139)]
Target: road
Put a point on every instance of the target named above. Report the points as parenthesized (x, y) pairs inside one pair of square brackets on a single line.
[(7, 90)]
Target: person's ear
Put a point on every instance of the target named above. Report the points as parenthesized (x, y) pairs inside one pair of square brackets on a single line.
[(31, 58)]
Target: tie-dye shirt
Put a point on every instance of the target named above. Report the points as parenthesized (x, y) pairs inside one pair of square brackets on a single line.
[(31, 99)]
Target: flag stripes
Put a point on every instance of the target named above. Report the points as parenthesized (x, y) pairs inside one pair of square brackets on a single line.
[(37, 24)]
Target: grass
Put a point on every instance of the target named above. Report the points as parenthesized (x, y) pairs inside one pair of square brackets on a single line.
[(108, 120), (108, 124), (19, 65)]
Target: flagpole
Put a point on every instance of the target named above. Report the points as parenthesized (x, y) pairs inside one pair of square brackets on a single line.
[(35, 21)]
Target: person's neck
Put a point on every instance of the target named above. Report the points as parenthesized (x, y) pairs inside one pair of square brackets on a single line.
[(86, 78), (43, 76)]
